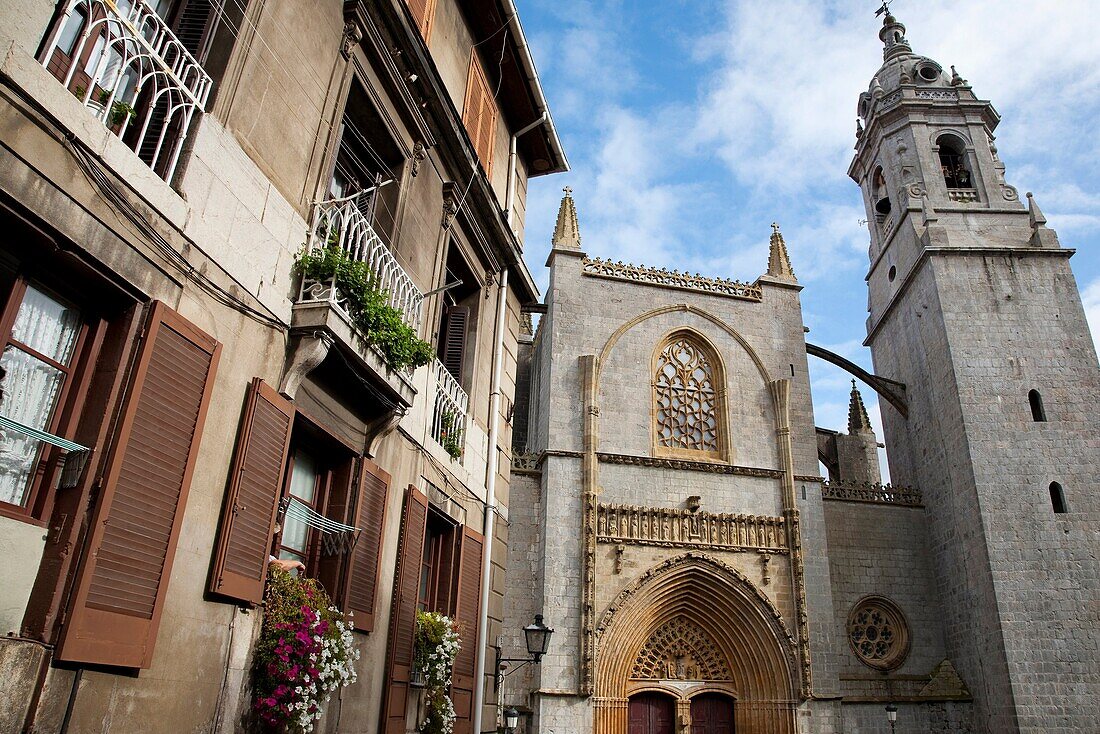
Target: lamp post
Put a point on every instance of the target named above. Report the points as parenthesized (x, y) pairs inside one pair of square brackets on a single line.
[(537, 636), (891, 715)]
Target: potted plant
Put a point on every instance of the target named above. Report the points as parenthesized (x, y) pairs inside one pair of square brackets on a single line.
[(437, 644)]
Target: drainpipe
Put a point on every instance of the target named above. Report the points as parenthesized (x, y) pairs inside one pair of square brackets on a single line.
[(510, 196), (490, 498)]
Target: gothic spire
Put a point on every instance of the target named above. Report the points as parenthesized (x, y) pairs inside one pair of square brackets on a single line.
[(567, 233), (779, 262), (858, 420)]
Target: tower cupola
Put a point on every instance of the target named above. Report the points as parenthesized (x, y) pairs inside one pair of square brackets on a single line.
[(893, 38)]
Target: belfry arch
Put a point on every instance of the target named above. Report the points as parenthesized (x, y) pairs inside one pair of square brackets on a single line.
[(752, 659)]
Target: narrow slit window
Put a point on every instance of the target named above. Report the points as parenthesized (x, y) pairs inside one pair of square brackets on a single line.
[(1057, 498), (1038, 413)]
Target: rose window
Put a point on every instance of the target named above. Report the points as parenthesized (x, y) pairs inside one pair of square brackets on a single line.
[(878, 633)]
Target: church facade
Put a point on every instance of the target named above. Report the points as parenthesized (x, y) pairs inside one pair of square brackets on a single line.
[(669, 518)]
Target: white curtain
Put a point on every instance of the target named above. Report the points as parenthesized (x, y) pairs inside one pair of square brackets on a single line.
[(31, 386)]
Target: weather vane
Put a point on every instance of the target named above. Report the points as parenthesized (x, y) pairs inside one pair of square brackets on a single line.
[(884, 9)]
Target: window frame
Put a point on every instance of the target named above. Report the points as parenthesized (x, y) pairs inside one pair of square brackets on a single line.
[(40, 489), (332, 456), (724, 452)]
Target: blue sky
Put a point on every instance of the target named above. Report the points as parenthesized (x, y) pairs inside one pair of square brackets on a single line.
[(691, 125)]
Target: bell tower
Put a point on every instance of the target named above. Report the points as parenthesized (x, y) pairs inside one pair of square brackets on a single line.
[(973, 306)]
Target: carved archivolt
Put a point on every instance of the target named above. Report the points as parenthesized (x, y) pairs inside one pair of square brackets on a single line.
[(680, 650)]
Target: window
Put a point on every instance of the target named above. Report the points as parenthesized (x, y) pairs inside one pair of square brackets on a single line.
[(480, 113), (1057, 498), (878, 633), (1038, 414), (956, 174), (37, 368), (423, 11), (456, 323), (285, 463), (438, 568), (368, 163), (879, 196), (687, 393)]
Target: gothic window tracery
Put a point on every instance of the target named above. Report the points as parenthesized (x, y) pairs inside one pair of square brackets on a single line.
[(878, 633), (686, 397), (680, 650)]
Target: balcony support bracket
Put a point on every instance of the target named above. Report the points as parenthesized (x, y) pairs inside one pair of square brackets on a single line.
[(309, 350)]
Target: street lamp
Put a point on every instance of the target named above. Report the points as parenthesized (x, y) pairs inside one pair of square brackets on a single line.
[(511, 719), (537, 636), (891, 715)]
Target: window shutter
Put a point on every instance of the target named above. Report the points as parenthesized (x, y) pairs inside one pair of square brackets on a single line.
[(480, 113), (192, 24), (466, 614), (119, 596), (423, 12), (252, 498), (403, 617), (362, 575), (457, 321)]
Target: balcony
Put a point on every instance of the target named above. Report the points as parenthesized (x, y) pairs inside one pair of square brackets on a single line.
[(449, 413), (123, 62), (964, 196), (341, 223)]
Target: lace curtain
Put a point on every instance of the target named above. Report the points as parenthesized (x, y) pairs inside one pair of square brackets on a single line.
[(32, 385)]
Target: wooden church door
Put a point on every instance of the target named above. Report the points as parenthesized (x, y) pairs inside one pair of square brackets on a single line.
[(711, 713), (651, 713)]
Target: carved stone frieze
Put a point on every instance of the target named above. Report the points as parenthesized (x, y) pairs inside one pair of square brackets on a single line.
[(703, 466), (671, 279), (680, 528)]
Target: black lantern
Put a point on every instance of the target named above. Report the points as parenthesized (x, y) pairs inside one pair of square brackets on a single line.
[(511, 719), (538, 638), (891, 715)]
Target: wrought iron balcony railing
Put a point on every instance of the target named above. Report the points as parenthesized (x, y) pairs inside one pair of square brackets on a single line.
[(449, 414), (125, 64), (340, 223)]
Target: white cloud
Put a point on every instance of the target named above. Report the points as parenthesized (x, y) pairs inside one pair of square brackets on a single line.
[(1090, 297)]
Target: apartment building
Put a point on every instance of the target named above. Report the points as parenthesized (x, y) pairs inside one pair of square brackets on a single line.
[(180, 404)]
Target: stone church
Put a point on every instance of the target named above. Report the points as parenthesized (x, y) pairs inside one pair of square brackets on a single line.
[(669, 518)]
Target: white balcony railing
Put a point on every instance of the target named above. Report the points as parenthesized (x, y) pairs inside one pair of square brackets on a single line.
[(340, 223), (449, 414), (124, 63)]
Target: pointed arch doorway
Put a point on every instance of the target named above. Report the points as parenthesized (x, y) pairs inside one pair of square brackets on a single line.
[(652, 713), (698, 634)]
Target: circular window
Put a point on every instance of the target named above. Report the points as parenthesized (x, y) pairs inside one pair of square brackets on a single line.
[(929, 72), (892, 273), (878, 633)]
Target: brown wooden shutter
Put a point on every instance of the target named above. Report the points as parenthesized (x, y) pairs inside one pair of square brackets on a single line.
[(362, 573), (423, 12), (480, 113), (406, 586), (252, 498), (455, 327), (466, 614), (193, 25), (119, 597)]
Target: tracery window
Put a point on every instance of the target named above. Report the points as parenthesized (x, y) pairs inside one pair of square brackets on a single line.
[(686, 397), (878, 633)]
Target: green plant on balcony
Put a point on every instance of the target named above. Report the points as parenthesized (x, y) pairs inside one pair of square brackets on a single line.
[(382, 325), (450, 438)]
